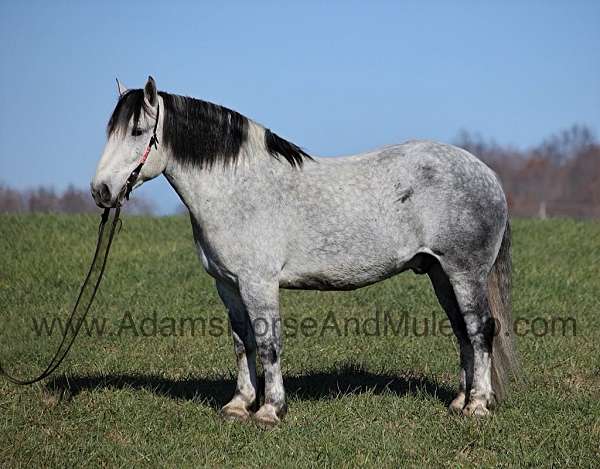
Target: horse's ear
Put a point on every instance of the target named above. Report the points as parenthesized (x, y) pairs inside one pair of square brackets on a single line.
[(150, 92), (121, 88)]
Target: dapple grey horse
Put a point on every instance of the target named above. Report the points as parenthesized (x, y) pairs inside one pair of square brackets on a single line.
[(266, 215)]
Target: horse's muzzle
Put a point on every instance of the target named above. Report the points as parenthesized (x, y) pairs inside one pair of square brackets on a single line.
[(102, 195)]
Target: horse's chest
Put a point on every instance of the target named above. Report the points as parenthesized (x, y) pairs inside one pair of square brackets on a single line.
[(212, 264), (208, 265), (211, 255)]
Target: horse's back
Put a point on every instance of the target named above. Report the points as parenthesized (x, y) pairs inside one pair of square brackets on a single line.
[(362, 218)]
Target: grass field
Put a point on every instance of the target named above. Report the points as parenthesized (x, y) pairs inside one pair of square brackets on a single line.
[(135, 395)]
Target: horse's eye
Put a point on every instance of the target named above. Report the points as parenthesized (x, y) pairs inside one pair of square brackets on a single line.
[(136, 132)]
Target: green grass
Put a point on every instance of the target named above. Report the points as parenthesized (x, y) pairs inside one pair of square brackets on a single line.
[(374, 400)]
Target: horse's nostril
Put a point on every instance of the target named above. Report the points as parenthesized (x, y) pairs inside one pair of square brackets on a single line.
[(104, 193), (101, 194)]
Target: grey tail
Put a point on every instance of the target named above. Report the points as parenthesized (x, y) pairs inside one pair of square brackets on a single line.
[(505, 362)]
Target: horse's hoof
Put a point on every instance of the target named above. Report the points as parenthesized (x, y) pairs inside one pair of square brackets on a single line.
[(266, 417), (457, 404), (476, 409), (234, 413)]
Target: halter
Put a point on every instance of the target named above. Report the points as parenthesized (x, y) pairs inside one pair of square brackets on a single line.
[(131, 180)]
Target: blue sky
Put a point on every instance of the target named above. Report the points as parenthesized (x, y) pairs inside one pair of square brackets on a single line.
[(334, 77)]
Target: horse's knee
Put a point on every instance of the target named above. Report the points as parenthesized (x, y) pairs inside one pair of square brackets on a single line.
[(269, 351), (243, 346)]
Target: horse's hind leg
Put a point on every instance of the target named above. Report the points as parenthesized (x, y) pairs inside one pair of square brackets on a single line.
[(470, 290), (245, 352), (446, 297)]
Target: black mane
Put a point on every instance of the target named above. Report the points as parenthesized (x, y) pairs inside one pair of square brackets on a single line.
[(201, 133), (276, 146)]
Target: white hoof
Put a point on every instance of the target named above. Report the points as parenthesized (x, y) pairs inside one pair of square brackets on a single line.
[(268, 417), (235, 411), (457, 404), (476, 408)]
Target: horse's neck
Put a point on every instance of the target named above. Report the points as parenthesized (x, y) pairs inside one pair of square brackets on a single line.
[(207, 192)]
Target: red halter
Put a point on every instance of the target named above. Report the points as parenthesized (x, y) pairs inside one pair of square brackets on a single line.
[(136, 172)]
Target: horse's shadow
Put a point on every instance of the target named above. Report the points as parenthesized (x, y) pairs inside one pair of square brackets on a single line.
[(348, 380)]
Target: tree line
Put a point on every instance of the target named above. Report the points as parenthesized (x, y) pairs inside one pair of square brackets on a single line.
[(560, 177), (72, 200)]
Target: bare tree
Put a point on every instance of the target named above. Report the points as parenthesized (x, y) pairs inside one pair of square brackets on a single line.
[(562, 174), (76, 201), (10, 200), (42, 199)]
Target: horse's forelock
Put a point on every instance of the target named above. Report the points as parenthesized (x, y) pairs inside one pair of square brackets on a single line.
[(129, 104)]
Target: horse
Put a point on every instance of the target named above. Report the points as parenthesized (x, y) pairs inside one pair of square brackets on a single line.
[(268, 215)]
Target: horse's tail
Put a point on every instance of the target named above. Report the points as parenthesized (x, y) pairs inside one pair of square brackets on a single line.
[(505, 363)]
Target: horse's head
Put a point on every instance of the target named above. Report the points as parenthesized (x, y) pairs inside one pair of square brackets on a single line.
[(129, 131)]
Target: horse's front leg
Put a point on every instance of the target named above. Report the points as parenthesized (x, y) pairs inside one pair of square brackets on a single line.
[(261, 299), (245, 353)]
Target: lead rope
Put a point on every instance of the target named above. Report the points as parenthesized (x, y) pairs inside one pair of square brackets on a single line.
[(95, 274), (99, 260)]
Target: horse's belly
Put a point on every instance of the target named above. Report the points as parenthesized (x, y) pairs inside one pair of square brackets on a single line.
[(348, 258), (340, 276)]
